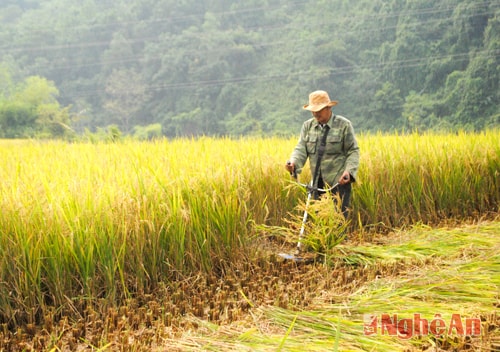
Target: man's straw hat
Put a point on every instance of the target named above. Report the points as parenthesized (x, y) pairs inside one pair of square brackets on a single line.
[(319, 100)]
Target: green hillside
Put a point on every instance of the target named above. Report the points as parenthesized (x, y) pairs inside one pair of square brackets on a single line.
[(205, 67)]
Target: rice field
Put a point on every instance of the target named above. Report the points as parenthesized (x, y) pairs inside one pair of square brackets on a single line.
[(142, 245), (424, 271)]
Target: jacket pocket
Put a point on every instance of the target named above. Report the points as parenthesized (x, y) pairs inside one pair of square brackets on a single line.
[(311, 142), (333, 144)]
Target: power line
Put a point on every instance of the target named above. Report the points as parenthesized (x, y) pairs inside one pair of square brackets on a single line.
[(363, 19), (181, 18), (395, 64), (53, 64), (430, 10)]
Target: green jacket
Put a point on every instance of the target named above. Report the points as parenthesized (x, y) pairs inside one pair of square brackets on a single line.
[(341, 152)]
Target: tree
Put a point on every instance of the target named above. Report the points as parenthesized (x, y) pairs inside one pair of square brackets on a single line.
[(148, 132), (125, 95), (247, 122), (185, 124), (387, 107), (6, 84), (54, 122), (17, 119), (32, 110), (419, 114)]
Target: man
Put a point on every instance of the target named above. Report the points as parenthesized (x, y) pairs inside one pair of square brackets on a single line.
[(331, 138)]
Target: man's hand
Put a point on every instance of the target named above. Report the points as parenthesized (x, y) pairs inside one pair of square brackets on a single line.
[(290, 167), (345, 178)]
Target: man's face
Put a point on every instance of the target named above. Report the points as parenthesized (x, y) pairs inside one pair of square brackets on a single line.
[(323, 115)]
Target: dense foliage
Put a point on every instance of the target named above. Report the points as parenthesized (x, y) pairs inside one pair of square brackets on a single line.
[(220, 67)]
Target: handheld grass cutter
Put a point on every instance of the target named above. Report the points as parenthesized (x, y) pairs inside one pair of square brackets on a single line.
[(299, 256)]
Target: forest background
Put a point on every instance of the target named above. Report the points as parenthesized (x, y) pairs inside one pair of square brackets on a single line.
[(152, 68)]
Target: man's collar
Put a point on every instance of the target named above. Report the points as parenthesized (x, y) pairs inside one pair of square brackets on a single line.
[(329, 123)]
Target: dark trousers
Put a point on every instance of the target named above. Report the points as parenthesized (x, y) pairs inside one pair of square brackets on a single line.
[(344, 191)]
